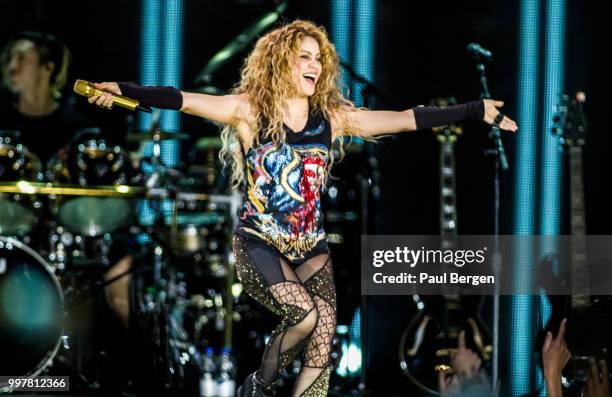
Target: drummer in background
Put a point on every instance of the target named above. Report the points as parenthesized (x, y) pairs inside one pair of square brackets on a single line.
[(34, 70)]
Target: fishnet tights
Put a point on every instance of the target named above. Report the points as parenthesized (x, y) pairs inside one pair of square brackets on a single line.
[(299, 319), (306, 302), (317, 275)]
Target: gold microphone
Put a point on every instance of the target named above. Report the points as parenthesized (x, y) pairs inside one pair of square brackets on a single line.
[(88, 89)]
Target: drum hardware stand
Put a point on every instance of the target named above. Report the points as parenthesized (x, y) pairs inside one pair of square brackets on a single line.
[(235, 201), (157, 306), (159, 168), (367, 185), (499, 155), (160, 304)]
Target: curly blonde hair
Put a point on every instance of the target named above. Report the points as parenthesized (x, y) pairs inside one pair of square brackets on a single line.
[(266, 80)]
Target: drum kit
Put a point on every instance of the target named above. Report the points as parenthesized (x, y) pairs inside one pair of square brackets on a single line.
[(58, 224)]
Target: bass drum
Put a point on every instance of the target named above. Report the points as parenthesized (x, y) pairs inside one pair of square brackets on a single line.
[(31, 311)]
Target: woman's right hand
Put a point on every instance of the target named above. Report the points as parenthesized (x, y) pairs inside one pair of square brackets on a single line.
[(105, 100)]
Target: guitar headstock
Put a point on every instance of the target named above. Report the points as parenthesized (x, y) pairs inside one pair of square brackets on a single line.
[(446, 133), (569, 121)]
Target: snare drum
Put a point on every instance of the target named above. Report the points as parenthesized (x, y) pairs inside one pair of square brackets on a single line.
[(204, 171), (17, 212), (92, 162), (31, 311), (201, 237)]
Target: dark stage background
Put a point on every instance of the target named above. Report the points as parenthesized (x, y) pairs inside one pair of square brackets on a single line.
[(421, 54)]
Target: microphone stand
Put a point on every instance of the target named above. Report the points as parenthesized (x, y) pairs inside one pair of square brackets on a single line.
[(368, 89), (238, 44), (500, 161)]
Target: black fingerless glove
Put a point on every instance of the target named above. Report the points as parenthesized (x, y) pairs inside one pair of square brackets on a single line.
[(157, 97), (431, 116)]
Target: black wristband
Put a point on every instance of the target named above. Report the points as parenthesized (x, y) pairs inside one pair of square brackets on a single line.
[(157, 97), (430, 116)]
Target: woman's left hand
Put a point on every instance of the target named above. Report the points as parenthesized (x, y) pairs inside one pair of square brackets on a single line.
[(491, 112)]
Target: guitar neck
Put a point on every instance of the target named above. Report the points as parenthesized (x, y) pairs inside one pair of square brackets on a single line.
[(579, 273), (448, 202)]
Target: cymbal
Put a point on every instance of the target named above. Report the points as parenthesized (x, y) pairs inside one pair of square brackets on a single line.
[(209, 143), (212, 90), (26, 187), (156, 136), (44, 188)]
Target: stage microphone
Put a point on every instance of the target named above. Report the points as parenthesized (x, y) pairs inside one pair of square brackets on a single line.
[(88, 89), (477, 51)]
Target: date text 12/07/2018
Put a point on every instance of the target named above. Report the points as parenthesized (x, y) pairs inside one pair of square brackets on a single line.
[(425, 278)]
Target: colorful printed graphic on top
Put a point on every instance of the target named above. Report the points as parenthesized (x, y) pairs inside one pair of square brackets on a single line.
[(283, 195)]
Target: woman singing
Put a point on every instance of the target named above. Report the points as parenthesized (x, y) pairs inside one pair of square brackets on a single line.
[(281, 120)]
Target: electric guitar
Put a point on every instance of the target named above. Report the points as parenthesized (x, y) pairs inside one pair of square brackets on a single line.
[(432, 336), (588, 316)]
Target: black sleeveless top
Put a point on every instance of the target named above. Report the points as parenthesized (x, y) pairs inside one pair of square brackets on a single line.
[(282, 205)]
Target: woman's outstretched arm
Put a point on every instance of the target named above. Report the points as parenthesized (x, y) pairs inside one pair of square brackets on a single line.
[(371, 123), (223, 109)]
